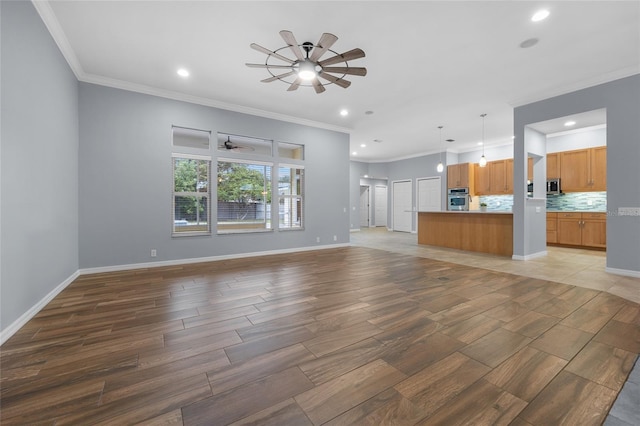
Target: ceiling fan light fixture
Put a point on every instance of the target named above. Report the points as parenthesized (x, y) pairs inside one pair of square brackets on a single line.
[(307, 70)]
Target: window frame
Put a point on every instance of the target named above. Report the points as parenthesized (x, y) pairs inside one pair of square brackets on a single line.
[(268, 206), (300, 196), (199, 195), (197, 153)]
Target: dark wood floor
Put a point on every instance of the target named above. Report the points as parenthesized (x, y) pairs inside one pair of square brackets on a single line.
[(339, 336)]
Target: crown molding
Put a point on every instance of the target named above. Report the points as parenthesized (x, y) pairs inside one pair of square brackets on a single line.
[(55, 29)]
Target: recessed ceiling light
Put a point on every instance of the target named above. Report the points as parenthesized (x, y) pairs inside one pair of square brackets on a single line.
[(363, 145), (540, 15), (183, 72), (479, 143), (344, 112), (366, 176), (529, 43), (570, 123), (354, 153)]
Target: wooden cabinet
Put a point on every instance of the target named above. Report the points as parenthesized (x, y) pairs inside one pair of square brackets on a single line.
[(552, 228), (529, 169), (582, 229), (553, 166), (482, 180), (594, 229), (598, 168), (584, 170), (570, 228), (494, 179), (460, 176)]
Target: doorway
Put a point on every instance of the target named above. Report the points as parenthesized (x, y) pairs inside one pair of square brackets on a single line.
[(429, 194), (380, 205), (364, 206), (402, 207)]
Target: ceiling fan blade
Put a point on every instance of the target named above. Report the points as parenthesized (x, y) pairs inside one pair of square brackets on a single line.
[(288, 38), (339, 81), (277, 77), (268, 66), (318, 86), (271, 53), (347, 70), (346, 56), (324, 44), (295, 85)]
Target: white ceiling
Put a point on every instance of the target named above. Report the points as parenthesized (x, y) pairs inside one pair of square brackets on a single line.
[(429, 63)]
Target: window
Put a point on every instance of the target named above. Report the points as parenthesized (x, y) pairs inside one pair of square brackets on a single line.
[(244, 196), (191, 188), (255, 192), (290, 196)]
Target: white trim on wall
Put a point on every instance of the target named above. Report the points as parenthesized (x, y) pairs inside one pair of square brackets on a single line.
[(24, 318)]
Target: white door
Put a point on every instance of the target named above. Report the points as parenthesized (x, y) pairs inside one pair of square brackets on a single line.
[(402, 206), (380, 205), (364, 206), (429, 194)]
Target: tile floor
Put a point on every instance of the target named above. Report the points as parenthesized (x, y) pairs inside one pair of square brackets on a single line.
[(582, 268)]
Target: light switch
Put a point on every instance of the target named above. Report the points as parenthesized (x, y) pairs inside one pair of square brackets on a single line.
[(537, 209)]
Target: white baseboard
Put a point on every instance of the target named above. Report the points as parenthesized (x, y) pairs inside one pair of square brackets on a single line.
[(133, 266), (354, 230), (529, 256), (24, 318), (625, 272)]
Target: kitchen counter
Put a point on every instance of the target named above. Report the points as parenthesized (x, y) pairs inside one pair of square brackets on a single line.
[(474, 211), (485, 232)]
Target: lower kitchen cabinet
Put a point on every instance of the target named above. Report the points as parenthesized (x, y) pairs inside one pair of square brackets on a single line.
[(581, 229), (594, 230), (552, 228)]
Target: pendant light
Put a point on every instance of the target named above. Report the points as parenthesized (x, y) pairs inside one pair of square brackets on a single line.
[(483, 159), (440, 166)]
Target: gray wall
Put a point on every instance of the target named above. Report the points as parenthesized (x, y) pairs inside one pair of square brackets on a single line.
[(39, 163), (621, 98), (126, 179)]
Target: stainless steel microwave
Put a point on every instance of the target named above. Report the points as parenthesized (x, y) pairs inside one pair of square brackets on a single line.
[(553, 187)]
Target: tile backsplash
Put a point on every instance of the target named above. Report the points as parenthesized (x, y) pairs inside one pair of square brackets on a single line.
[(578, 201), (573, 201)]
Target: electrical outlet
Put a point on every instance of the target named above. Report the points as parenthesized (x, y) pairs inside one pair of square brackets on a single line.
[(335, 238), (154, 253), (589, 202), (317, 239)]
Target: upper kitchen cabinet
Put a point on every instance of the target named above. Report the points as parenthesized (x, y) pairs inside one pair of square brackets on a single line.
[(482, 180), (583, 170), (494, 179), (553, 166), (460, 176)]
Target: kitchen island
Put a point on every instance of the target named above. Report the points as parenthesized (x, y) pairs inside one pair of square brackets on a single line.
[(485, 232)]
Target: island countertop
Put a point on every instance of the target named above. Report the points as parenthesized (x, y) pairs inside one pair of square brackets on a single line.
[(473, 212), (475, 230)]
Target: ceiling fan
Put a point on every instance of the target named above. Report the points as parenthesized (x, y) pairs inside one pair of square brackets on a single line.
[(230, 146), (307, 67)]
